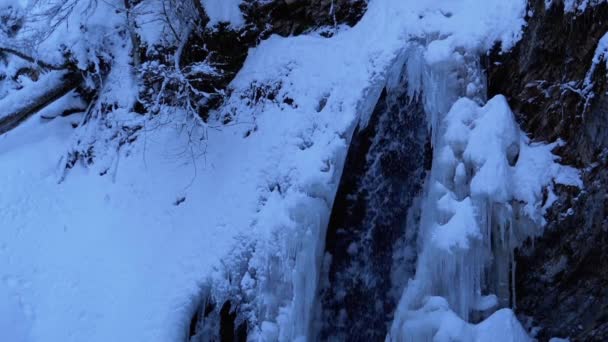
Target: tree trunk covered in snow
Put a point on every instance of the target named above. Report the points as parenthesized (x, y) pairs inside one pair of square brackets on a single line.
[(562, 278), (29, 104)]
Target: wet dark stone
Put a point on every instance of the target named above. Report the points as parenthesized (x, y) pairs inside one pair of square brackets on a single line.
[(384, 172), (227, 322), (212, 323)]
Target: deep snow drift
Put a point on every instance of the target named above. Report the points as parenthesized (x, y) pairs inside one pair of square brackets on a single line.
[(124, 248)]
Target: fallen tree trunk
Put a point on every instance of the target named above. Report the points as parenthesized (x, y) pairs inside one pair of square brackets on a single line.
[(20, 105), (40, 63)]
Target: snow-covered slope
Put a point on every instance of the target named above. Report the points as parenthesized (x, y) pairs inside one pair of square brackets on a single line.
[(118, 256), (126, 249)]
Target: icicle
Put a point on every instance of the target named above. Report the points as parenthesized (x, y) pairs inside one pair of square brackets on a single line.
[(468, 228), (513, 287)]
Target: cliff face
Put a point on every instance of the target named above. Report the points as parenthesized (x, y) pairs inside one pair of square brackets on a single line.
[(562, 277)]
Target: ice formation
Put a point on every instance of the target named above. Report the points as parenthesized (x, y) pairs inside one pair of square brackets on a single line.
[(483, 198)]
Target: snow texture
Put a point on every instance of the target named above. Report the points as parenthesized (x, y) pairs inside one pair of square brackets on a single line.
[(435, 315), (224, 11), (113, 257)]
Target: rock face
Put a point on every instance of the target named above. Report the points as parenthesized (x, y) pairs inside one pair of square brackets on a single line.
[(562, 277), (293, 17)]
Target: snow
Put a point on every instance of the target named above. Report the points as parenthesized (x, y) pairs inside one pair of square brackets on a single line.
[(70, 100), (435, 316), (116, 259), (22, 98), (20, 3), (460, 228), (152, 27), (600, 54), (492, 134), (468, 24), (13, 319), (101, 258), (501, 326), (224, 11)]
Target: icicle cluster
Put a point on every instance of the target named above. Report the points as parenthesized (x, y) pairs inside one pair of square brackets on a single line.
[(483, 198)]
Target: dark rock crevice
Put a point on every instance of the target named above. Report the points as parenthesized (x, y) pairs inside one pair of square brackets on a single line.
[(383, 174), (210, 323)]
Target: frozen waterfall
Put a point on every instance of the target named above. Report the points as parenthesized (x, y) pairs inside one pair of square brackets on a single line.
[(482, 199)]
